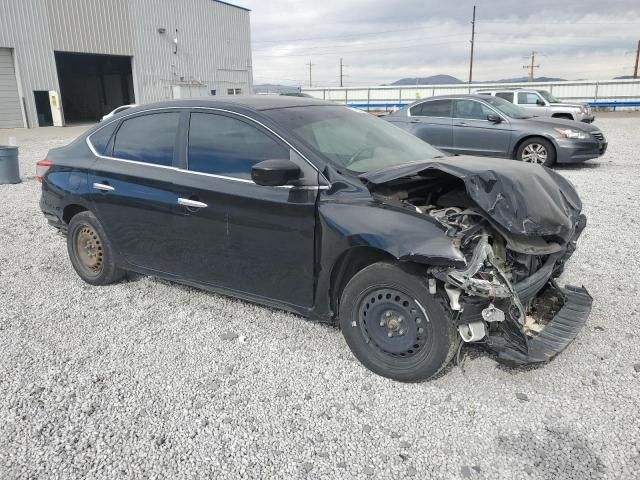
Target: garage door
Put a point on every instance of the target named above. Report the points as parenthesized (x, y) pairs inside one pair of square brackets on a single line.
[(10, 113)]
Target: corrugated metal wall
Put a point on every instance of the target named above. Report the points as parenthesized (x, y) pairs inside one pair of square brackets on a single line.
[(214, 46), (24, 27), (90, 26), (10, 111), (385, 97), (214, 42)]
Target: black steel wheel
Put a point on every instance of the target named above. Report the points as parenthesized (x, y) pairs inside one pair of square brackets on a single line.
[(394, 326), (393, 321), (90, 251)]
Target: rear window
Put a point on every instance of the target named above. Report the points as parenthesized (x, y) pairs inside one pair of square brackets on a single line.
[(148, 138), (432, 108)]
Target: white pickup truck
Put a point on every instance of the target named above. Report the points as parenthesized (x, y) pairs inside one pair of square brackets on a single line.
[(542, 103)]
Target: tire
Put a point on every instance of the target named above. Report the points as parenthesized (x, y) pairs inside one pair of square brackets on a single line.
[(90, 251), (423, 338), (538, 151)]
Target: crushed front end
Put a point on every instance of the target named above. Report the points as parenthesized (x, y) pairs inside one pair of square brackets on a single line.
[(509, 299), (516, 225)]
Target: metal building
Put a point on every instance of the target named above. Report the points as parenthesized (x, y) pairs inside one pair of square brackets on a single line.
[(65, 61)]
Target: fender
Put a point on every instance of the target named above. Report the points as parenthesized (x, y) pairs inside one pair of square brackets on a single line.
[(398, 233), (405, 235)]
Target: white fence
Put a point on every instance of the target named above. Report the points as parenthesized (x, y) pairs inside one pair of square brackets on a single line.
[(606, 93)]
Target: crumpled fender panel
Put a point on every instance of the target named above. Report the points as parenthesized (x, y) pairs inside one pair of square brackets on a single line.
[(524, 199), (405, 236)]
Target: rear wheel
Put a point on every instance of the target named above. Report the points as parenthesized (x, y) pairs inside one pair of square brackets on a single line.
[(394, 326), (90, 251), (538, 151)]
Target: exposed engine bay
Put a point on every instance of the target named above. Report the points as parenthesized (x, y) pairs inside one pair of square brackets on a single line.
[(506, 295)]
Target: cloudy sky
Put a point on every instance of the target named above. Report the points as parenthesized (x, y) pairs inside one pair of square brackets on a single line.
[(381, 41)]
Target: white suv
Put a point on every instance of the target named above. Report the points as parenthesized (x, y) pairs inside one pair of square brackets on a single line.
[(543, 103)]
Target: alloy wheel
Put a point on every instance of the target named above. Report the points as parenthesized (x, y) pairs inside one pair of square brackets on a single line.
[(535, 153)]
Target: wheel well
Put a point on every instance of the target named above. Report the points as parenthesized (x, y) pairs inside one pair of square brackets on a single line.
[(350, 263), (563, 115), (521, 141), (71, 211)]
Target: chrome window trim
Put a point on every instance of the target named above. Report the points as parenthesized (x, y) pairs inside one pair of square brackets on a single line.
[(222, 177)]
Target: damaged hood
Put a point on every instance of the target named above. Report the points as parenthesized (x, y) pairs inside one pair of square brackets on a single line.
[(523, 199)]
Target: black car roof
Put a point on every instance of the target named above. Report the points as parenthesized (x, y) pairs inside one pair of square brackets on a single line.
[(254, 102)]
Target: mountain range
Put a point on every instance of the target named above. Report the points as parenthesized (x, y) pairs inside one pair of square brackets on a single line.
[(432, 80), (449, 80)]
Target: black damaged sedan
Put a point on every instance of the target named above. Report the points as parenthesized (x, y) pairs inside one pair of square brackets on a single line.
[(330, 213)]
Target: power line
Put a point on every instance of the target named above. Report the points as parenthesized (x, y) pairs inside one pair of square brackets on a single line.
[(384, 42), (428, 27), (500, 22), (306, 54), (350, 35)]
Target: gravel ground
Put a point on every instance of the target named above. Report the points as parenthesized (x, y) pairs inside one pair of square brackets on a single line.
[(152, 379)]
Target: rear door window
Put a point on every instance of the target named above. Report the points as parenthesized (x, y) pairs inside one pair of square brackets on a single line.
[(227, 146), (432, 108), (506, 95), (148, 138)]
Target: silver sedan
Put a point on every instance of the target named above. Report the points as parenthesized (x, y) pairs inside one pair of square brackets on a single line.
[(493, 127)]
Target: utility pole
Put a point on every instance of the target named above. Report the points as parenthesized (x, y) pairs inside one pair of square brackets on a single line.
[(341, 65), (310, 67), (635, 69), (532, 67), (473, 37)]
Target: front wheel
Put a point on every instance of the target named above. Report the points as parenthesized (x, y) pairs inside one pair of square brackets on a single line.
[(394, 326), (537, 151)]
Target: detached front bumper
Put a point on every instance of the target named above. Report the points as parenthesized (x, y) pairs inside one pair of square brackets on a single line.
[(516, 348)]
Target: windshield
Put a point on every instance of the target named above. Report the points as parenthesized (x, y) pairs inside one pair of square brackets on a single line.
[(548, 97), (508, 108), (352, 138)]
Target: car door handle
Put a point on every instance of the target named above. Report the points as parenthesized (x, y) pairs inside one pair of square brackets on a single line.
[(461, 124), (103, 187), (187, 202)]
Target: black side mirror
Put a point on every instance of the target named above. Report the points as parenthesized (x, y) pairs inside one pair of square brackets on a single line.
[(540, 102), (494, 117), (275, 173)]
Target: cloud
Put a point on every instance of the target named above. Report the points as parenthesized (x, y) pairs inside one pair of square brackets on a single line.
[(381, 41)]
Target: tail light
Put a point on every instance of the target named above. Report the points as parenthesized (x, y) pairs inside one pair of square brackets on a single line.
[(42, 167)]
